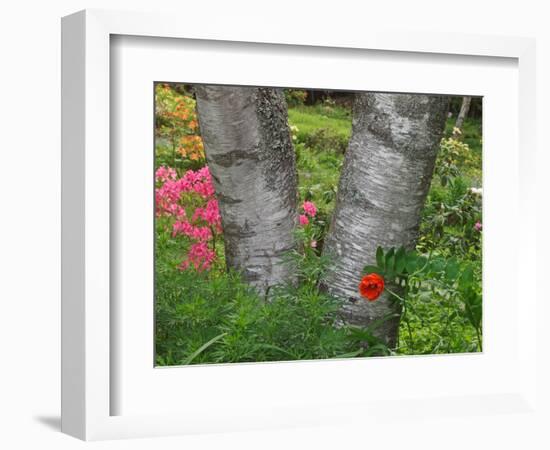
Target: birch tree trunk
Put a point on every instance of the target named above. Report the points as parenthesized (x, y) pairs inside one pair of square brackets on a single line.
[(252, 161), (463, 113), (384, 182)]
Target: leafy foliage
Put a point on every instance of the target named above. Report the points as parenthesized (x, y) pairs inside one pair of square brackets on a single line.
[(212, 317), (178, 142), (295, 97), (451, 286)]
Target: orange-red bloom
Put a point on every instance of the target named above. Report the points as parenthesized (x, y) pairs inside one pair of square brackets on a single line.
[(371, 286)]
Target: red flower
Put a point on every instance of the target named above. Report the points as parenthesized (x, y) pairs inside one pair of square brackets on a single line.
[(371, 286)]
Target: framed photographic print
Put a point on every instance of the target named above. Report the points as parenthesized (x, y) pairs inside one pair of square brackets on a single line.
[(271, 230)]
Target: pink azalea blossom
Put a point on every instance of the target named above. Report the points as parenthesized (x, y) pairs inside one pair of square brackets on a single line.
[(199, 256), (478, 226), (309, 208), (313, 244), (303, 220), (172, 198), (164, 173)]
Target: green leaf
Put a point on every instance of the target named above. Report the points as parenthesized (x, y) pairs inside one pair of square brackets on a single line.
[(377, 350), (437, 265), (473, 307), (473, 313), (373, 269), (390, 261), (277, 348), (359, 334), (421, 262), (351, 354), (400, 260), (380, 258), (467, 278), (411, 262), (451, 270), (202, 348)]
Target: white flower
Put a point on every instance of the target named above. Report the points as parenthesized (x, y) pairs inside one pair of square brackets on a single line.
[(477, 191)]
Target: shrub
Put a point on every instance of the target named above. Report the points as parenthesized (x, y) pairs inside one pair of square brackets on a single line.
[(192, 211), (440, 299), (176, 129), (452, 221), (295, 97), (325, 140)]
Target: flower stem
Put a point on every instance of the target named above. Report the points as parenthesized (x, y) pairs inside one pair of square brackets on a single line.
[(480, 345), (401, 299)]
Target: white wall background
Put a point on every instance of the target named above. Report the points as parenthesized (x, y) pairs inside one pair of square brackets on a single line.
[(30, 199)]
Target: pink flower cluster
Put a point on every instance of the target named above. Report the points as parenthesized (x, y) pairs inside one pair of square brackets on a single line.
[(169, 193), (309, 210), (200, 256), (174, 195), (165, 173)]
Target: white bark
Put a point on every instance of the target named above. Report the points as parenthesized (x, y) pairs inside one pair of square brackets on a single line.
[(383, 186), (251, 158), (463, 113)]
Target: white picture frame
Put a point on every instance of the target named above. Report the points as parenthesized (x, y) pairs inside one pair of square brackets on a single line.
[(88, 387)]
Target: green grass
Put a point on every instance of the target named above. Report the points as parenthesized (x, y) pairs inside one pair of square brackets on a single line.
[(318, 175), (309, 119), (322, 135)]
